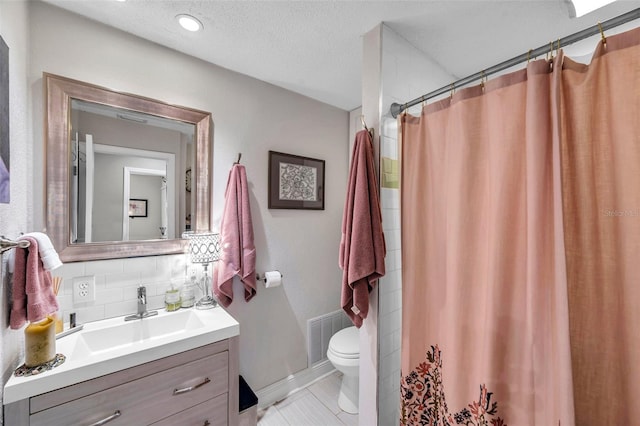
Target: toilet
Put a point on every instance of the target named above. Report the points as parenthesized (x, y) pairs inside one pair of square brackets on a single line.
[(344, 354)]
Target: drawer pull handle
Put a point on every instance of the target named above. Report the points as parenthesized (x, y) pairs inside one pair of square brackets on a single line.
[(107, 419), (190, 388)]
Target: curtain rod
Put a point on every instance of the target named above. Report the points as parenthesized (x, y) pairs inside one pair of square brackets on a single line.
[(396, 108)]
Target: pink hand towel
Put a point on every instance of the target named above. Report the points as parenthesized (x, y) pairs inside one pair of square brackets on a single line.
[(32, 289), (362, 247), (238, 252)]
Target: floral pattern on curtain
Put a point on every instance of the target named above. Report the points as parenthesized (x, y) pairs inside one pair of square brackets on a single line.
[(424, 402)]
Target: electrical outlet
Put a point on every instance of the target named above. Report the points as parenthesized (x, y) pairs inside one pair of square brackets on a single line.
[(84, 289)]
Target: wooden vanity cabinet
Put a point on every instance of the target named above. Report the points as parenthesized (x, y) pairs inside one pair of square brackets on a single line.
[(198, 387)]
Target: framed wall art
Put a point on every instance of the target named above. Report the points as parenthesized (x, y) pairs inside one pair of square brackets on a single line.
[(295, 182), (137, 207)]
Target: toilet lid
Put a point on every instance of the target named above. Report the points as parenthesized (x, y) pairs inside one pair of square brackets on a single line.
[(346, 343)]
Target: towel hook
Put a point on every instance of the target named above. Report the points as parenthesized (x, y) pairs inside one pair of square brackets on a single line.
[(238, 160), (364, 124)]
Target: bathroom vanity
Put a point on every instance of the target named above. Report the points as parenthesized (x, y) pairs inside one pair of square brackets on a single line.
[(179, 368)]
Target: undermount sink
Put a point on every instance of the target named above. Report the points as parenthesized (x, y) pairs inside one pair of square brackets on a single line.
[(129, 333)]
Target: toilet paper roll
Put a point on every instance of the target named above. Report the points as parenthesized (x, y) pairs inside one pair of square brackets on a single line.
[(272, 279)]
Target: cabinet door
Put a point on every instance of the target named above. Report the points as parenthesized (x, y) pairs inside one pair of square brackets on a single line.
[(209, 413), (145, 400)]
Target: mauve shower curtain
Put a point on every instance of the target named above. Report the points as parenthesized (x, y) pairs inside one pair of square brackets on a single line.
[(520, 287), (601, 187)]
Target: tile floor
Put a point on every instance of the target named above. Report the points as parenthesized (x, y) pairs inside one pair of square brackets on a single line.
[(316, 405)]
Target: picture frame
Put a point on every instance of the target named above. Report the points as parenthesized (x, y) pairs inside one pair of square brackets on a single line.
[(295, 182), (137, 207)]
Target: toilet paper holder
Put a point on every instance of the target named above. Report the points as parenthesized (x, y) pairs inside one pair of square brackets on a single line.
[(263, 278)]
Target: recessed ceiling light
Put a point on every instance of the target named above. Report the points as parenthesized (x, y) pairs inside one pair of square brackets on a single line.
[(189, 23), (582, 7)]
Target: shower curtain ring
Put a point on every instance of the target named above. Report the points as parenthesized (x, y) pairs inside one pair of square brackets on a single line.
[(604, 39)]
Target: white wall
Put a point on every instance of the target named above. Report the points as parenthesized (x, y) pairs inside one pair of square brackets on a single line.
[(249, 116), (14, 217), (406, 74)]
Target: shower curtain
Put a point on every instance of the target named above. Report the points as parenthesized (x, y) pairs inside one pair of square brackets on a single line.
[(518, 272)]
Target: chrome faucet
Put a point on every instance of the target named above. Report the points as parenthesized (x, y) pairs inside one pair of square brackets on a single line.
[(142, 306), (142, 300)]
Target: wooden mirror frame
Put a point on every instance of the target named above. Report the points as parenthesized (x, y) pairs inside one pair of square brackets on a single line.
[(59, 91)]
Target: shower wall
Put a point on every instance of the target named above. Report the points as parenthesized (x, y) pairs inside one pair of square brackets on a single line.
[(406, 74)]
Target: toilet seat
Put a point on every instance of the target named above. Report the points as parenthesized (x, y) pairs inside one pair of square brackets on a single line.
[(346, 343)]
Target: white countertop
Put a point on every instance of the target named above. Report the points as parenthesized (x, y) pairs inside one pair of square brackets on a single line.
[(132, 345)]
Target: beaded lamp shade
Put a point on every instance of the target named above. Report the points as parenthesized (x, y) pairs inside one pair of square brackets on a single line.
[(204, 247)]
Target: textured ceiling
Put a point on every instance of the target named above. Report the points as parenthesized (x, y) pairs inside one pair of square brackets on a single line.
[(314, 47)]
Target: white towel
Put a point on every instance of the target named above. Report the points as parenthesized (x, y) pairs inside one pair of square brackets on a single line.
[(48, 255)]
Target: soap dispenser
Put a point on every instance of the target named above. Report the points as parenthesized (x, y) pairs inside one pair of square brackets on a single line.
[(172, 298), (188, 292)]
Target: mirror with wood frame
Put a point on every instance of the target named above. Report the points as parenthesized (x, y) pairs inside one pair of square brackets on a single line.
[(125, 174)]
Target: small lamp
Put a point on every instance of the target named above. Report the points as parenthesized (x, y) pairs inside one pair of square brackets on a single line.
[(204, 247)]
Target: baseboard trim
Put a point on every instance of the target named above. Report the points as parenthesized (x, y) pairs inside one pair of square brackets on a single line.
[(278, 391)]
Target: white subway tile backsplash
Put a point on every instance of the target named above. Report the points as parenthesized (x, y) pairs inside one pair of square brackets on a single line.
[(155, 302), (125, 307), (122, 279), (103, 267), (112, 295), (69, 270), (86, 314), (130, 292), (140, 265), (116, 284)]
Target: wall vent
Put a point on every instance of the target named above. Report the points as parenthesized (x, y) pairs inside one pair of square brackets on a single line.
[(319, 332)]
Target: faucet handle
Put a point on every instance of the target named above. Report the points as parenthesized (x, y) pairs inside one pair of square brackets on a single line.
[(142, 291)]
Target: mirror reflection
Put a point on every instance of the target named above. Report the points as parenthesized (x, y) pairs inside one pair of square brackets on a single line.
[(119, 170), (123, 159)]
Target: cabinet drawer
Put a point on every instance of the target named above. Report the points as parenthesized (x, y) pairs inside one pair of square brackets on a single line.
[(145, 400), (213, 411)]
